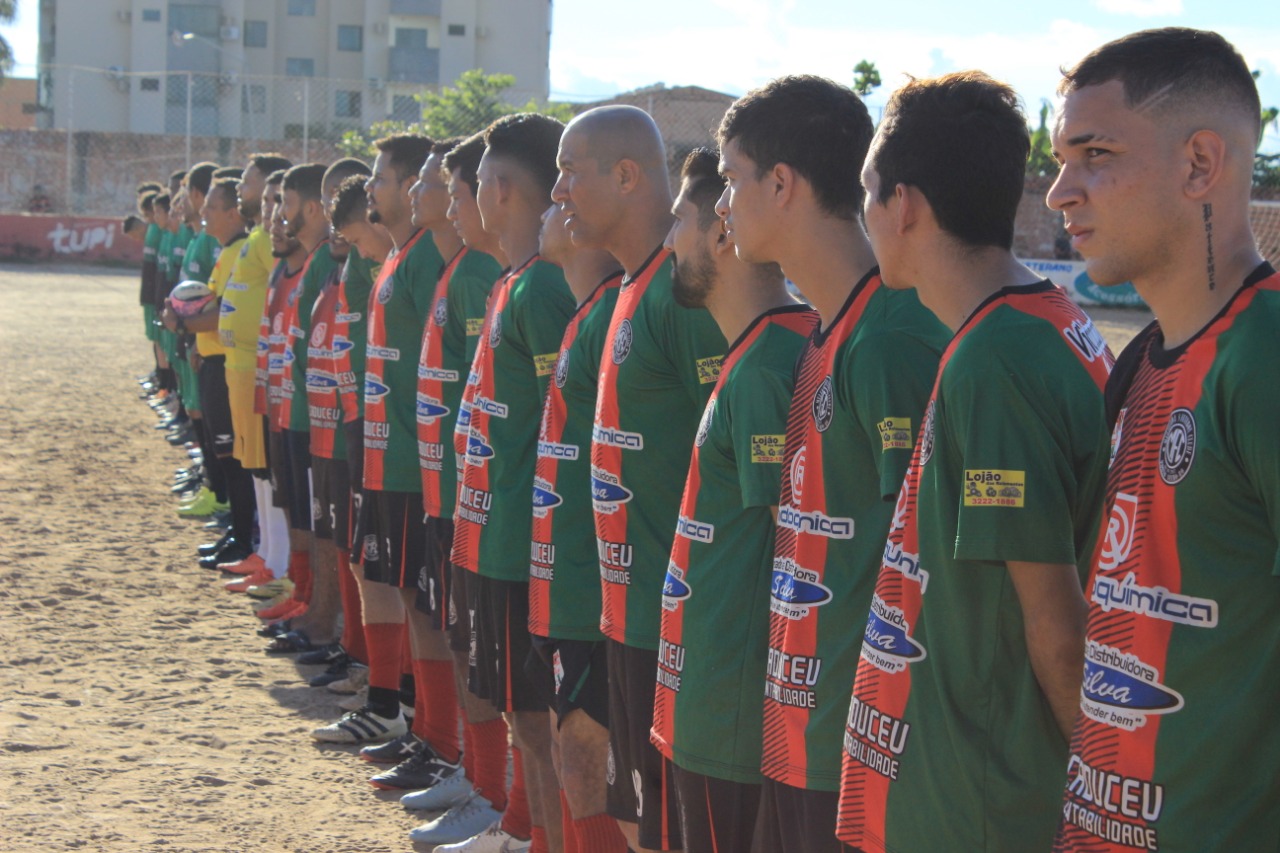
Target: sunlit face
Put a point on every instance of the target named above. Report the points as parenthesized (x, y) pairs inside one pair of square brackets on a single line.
[(694, 277), (554, 242), (746, 206), (585, 192), (429, 195), (252, 184), (270, 198), (388, 193), (487, 194), (282, 245), (464, 213), (295, 216), (220, 215), (1120, 186), (161, 217)]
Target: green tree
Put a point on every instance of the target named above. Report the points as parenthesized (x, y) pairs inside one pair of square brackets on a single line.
[(471, 104), (1040, 161), (1266, 167), (865, 78), (8, 11)]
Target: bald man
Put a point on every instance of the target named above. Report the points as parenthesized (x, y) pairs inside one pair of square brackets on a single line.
[(1156, 140), (661, 364)]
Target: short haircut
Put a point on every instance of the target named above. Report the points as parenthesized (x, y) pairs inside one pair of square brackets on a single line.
[(200, 176), (162, 201), (305, 180), (350, 202), (703, 184), (149, 187), (342, 169), (276, 177), (406, 152), (962, 141), (228, 187), (442, 147), (464, 160), (147, 200), (228, 172), (814, 125), (530, 140), (269, 162), (130, 223), (1166, 69), (177, 175)]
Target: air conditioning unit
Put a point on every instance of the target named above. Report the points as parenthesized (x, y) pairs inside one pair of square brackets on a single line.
[(380, 28), (124, 16), (230, 33)]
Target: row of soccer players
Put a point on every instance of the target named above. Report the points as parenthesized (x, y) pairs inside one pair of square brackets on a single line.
[(936, 395)]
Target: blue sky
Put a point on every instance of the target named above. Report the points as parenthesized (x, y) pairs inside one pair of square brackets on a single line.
[(601, 47)]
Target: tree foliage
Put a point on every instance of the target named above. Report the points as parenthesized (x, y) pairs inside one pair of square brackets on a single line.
[(471, 104), (1266, 167), (1040, 161), (866, 77), (8, 11)]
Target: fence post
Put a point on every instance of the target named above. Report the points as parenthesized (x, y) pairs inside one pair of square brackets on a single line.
[(188, 117), (306, 119), (71, 113)]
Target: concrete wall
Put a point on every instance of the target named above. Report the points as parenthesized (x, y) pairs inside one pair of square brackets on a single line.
[(95, 240)]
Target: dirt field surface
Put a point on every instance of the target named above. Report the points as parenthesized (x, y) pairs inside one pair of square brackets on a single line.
[(138, 711)]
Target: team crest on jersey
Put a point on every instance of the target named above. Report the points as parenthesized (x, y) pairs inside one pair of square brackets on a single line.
[(317, 512), (622, 341), (292, 298), (384, 292), (370, 548), (823, 405), (1178, 447), (704, 427), (318, 334), (1117, 434), (562, 368), (887, 643), (1121, 689), (797, 472), (441, 315), (926, 435), (1117, 541), (495, 330)]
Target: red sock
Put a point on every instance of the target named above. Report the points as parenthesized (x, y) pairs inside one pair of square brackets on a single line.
[(468, 749), (566, 826), (406, 656), (598, 833), (490, 761), (385, 640), (435, 719), (516, 819), (352, 612), (299, 571), (539, 836)]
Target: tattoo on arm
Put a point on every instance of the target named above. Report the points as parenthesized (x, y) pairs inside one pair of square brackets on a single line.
[(1208, 238)]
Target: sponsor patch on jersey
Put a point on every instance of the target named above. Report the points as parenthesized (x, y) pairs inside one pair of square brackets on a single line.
[(622, 341), (767, 449), (374, 390), (318, 334), (607, 494), (277, 324), (709, 368), (993, 487), (477, 448), (441, 315), (1121, 689), (887, 643), (698, 531), (794, 590), (384, 353), (544, 496), (320, 380), (895, 434), (474, 325), (1178, 447), (674, 588), (1086, 338), (226, 308), (704, 425), (824, 405), (797, 471), (562, 368), (341, 345), (544, 364), (1154, 601), (1117, 540), (495, 330), (430, 409)]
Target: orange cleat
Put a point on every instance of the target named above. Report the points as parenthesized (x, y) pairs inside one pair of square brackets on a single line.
[(242, 584), (247, 566)]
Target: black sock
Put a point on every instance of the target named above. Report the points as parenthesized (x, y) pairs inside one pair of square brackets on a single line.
[(243, 500), (384, 701)]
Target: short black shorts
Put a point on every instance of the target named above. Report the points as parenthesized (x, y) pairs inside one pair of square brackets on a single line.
[(278, 463), (436, 577), (390, 538), (355, 454), (641, 789), (297, 446), (459, 619), (796, 820), (331, 503), (571, 675), (500, 644), (715, 814), (215, 404)]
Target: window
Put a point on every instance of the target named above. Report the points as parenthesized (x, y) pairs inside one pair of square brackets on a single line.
[(457, 29), (294, 67), (347, 104), (406, 108), (302, 8), (253, 99), (151, 15), (149, 84), (255, 33), (350, 37), (411, 38)]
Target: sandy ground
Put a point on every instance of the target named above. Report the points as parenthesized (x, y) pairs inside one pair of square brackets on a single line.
[(137, 708)]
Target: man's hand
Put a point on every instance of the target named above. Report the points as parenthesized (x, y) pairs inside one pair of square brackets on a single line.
[(1053, 616), (169, 319)]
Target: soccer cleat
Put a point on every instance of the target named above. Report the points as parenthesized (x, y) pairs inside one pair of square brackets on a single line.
[(466, 819), (355, 701), (424, 770), (204, 504), (330, 655), (445, 794), (242, 584), (286, 607), (246, 566), (270, 588), (356, 681), (393, 751), (495, 839), (333, 673), (208, 549), (362, 726)]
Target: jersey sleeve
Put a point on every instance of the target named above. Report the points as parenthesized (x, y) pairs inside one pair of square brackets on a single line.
[(543, 305), (884, 381), (1254, 412), (757, 412), (693, 342), (1010, 429)]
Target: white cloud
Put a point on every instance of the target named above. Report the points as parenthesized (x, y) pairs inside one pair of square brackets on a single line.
[(1140, 8)]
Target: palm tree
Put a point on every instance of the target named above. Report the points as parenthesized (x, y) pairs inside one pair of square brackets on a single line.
[(8, 11)]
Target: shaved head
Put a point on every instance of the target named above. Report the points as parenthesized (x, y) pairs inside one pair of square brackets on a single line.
[(622, 132)]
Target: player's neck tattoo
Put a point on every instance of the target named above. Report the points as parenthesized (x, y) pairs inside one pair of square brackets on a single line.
[(1208, 239)]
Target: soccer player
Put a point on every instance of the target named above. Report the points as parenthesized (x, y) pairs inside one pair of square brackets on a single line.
[(861, 383), (1174, 745), (715, 601), (662, 362), (564, 587), (969, 677)]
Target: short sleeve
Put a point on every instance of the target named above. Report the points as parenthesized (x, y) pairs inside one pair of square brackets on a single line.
[(693, 343), (1253, 413), (757, 413), (542, 306)]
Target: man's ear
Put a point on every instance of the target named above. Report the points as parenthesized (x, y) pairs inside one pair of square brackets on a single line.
[(908, 207), (1205, 154), (626, 174)]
